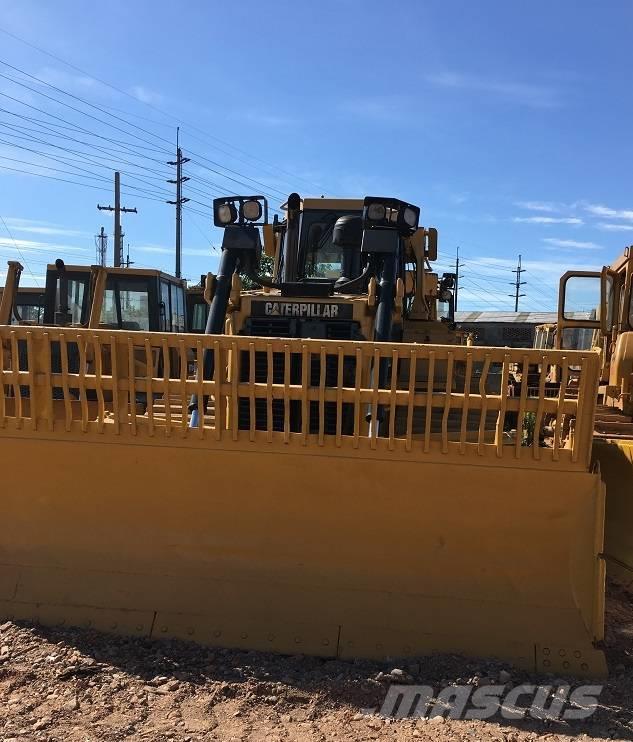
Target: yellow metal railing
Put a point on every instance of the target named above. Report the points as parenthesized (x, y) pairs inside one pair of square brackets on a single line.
[(430, 401)]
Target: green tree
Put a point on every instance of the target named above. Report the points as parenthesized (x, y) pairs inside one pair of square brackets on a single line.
[(266, 267)]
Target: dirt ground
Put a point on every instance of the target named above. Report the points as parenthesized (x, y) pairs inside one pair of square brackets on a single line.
[(71, 685)]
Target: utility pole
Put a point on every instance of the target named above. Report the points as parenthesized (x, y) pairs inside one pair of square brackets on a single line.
[(101, 241), (517, 285), (180, 200), (456, 278), (118, 209)]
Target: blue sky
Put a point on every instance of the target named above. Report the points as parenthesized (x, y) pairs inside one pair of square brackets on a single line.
[(509, 125)]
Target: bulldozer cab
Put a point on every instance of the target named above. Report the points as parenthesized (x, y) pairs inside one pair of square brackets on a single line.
[(29, 306), (343, 269), (197, 301), (596, 305), (114, 298), (318, 254), (97, 297), (20, 305)]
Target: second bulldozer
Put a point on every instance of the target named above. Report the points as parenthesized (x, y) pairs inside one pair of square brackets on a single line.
[(608, 327)]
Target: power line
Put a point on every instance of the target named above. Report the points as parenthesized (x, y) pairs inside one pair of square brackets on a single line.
[(74, 182), (197, 226), (20, 253), (157, 109), (128, 123), (63, 103)]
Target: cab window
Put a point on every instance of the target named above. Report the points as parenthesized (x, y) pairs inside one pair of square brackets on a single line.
[(631, 310), (577, 338), (582, 297), (199, 314), (177, 308), (321, 257), (76, 296), (126, 303), (165, 311), (30, 309)]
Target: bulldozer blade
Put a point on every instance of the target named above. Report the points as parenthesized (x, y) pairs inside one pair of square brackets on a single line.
[(358, 558), (615, 458), (283, 522)]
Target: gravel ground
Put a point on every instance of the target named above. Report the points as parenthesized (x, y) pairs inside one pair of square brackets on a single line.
[(61, 684)]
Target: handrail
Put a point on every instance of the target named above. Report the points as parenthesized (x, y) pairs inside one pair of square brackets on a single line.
[(438, 400)]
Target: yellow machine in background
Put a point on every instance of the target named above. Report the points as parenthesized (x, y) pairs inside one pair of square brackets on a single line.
[(96, 296), (611, 330), (22, 305), (350, 496)]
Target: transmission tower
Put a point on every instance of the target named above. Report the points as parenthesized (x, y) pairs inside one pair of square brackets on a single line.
[(101, 244)]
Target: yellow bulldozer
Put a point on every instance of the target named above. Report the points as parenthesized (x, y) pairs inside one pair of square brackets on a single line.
[(27, 307), (96, 296), (342, 484), (608, 327)]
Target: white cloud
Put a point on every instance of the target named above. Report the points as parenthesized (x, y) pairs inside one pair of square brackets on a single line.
[(548, 219), (601, 210), (536, 205), (199, 251), (26, 279), (155, 249), (608, 227), (34, 245), (45, 228), (556, 242), (526, 94), (145, 95)]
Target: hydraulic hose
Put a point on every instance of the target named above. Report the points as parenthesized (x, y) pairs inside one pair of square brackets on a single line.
[(215, 325), (354, 284), (382, 329)]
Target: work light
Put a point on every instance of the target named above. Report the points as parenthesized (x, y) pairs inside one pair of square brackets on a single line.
[(411, 217), (376, 212), (390, 213), (251, 210), (226, 214), (240, 210)]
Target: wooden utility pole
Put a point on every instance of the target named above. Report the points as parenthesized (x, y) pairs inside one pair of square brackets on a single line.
[(118, 209), (180, 200)]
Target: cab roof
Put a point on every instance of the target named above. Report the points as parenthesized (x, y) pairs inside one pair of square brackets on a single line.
[(134, 272)]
